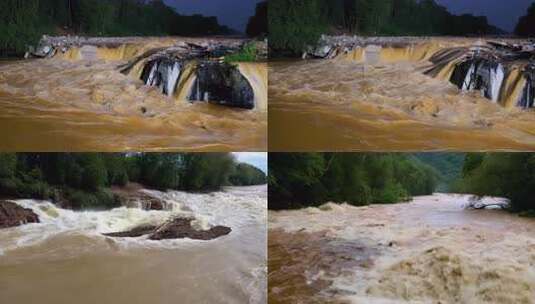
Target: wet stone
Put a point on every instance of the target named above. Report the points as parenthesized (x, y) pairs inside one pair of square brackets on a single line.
[(223, 84), (177, 228), (12, 215)]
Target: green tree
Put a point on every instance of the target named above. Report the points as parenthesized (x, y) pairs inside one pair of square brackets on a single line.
[(295, 24)]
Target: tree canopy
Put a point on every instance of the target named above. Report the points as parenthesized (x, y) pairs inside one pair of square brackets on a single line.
[(295, 24), (84, 177), (307, 179), (22, 22), (509, 175)]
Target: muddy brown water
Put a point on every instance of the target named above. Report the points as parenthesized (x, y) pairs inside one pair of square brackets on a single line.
[(386, 104), (431, 250), (66, 259), (68, 103)]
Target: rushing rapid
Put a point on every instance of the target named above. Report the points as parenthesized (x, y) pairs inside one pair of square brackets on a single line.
[(82, 99), (66, 258), (404, 94), (431, 250)]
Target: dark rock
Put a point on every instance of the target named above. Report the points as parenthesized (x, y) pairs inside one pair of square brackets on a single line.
[(223, 84), (177, 228), (12, 215), (152, 203), (136, 232), (180, 228), (136, 198)]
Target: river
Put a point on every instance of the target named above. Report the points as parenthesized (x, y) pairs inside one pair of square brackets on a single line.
[(385, 102), (73, 103), (430, 250), (66, 259)]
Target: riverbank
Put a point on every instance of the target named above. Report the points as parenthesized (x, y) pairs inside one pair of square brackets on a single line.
[(76, 262), (432, 249)]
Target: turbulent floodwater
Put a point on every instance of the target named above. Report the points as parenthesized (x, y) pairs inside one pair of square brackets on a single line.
[(385, 103), (65, 258), (431, 250), (69, 103)]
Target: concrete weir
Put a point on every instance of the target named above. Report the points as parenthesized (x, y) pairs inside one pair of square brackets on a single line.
[(503, 70), (183, 69)]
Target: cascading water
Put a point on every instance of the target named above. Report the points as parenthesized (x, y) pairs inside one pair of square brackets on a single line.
[(486, 76), (163, 73), (429, 250), (528, 94), (77, 98), (67, 258)]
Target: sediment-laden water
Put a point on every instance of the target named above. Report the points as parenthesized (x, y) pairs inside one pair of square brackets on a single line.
[(394, 98), (431, 250), (66, 259), (80, 101)]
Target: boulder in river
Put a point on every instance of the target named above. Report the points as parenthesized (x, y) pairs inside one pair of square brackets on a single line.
[(131, 196), (223, 84), (12, 215), (482, 74), (177, 228)]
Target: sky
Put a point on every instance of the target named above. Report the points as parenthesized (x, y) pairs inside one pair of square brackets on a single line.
[(501, 13), (232, 13), (257, 159)]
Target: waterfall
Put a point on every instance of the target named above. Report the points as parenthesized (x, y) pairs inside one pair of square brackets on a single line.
[(480, 74), (163, 73)]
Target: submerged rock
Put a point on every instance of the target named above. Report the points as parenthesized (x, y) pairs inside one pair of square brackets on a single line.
[(222, 83), (12, 215), (177, 228)]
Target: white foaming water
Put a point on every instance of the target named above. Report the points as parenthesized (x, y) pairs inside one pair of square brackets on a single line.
[(172, 78), (430, 250), (234, 207), (497, 76)]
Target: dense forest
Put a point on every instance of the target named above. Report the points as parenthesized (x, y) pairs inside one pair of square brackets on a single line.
[(509, 175), (295, 24), (22, 22), (526, 24), (84, 178), (308, 179)]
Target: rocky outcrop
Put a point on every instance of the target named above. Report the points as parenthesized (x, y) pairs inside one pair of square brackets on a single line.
[(222, 83), (177, 228), (12, 215), (134, 198)]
